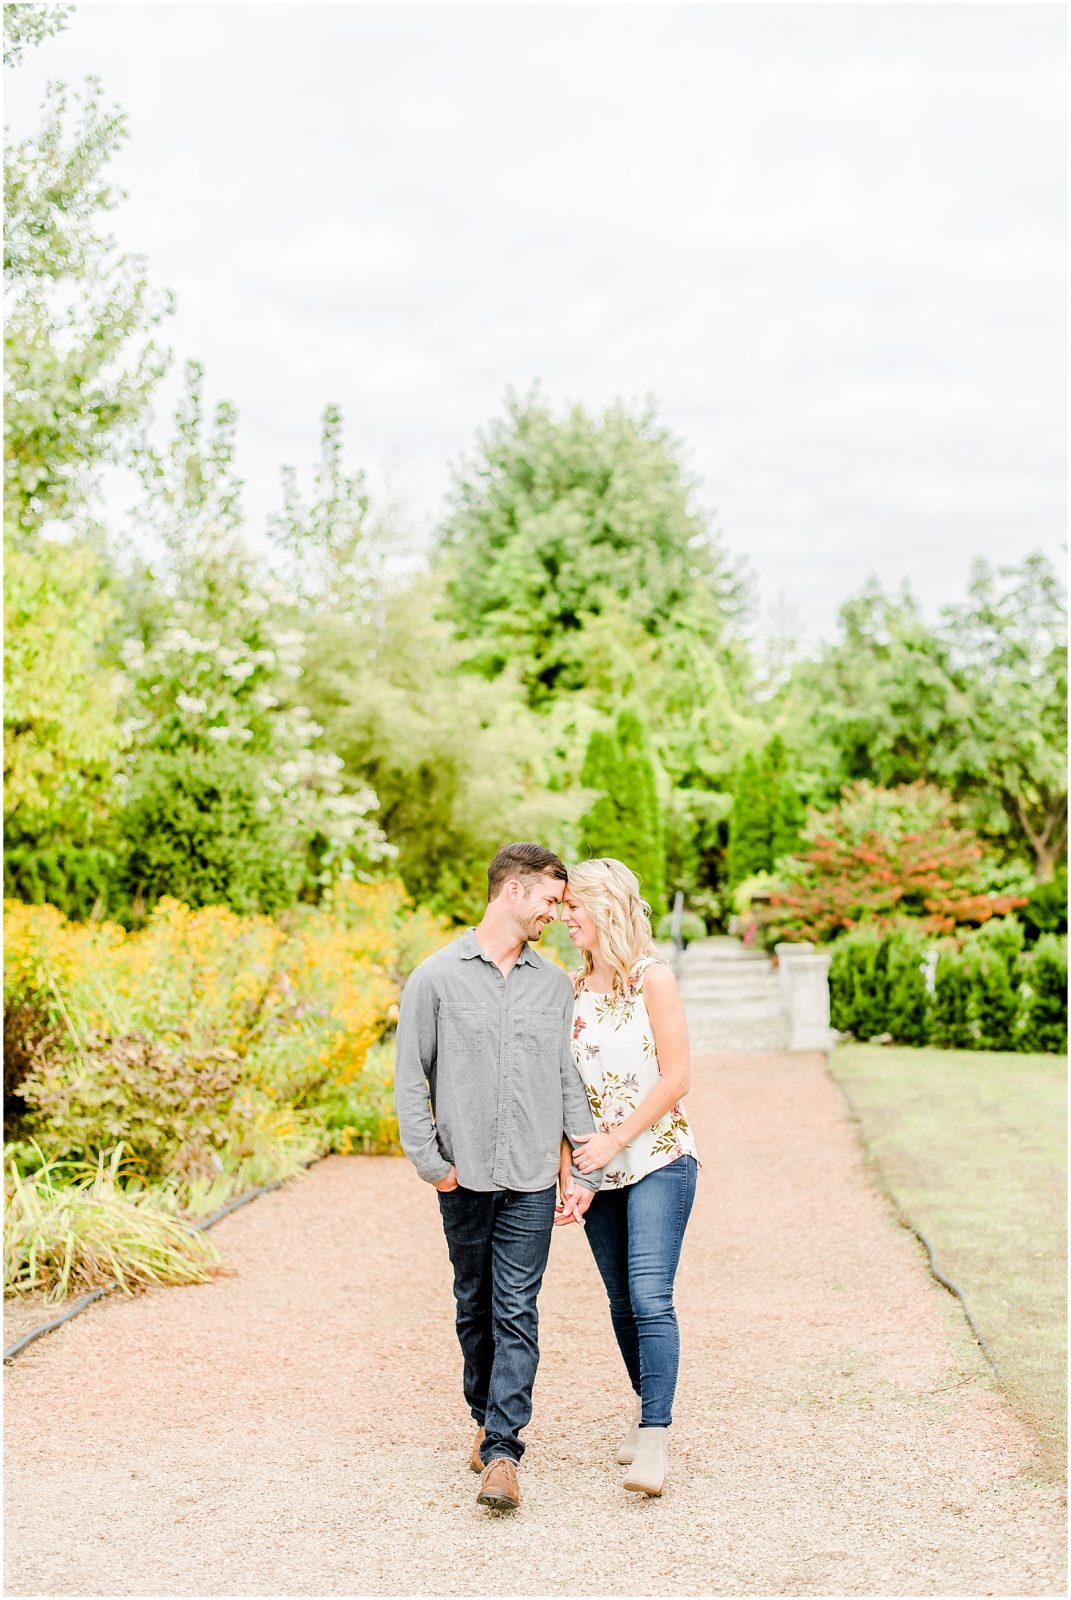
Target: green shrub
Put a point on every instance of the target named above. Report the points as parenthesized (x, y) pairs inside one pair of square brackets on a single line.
[(907, 1001), (360, 1116), (1044, 997), (196, 830), (80, 880), (1046, 909), (692, 927), (173, 1108), (992, 1005), (1005, 936), (949, 1014), (856, 985)]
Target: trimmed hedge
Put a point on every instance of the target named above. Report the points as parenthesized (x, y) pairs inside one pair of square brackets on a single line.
[(988, 991)]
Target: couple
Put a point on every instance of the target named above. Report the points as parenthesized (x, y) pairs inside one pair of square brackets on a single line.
[(530, 1099)]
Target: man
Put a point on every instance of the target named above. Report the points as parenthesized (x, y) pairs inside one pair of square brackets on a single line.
[(485, 1088)]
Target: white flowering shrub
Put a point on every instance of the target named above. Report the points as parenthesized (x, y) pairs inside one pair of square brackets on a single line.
[(218, 669)]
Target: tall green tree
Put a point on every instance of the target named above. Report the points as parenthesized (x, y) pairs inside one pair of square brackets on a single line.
[(557, 521), (625, 820), (80, 357), (1009, 643), (80, 365), (882, 702), (749, 825), (975, 702), (786, 809), (766, 816), (459, 766), (63, 734), (215, 675), (642, 832)]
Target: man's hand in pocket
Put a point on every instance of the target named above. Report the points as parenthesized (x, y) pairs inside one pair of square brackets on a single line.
[(445, 1185)]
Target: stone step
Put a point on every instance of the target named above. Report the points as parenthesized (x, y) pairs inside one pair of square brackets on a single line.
[(730, 996), (696, 953), (726, 969)]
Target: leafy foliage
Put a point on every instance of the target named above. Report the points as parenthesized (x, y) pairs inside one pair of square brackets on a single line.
[(986, 995), (975, 704), (555, 522), (1046, 909), (766, 815), (1010, 642), (1044, 990), (192, 827), (205, 1039), (216, 672), (881, 856), (29, 25), (80, 360), (458, 768), (62, 747), (625, 821)]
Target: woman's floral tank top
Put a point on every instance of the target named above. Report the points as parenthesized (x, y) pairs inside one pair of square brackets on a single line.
[(614, 1050)]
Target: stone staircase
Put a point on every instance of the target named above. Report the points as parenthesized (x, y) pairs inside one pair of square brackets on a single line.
[(732, 997)]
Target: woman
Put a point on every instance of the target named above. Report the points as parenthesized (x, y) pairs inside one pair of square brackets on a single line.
[(630, 1042)]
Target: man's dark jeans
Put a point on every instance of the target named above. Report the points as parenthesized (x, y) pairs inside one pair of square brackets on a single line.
[(499, 1243)]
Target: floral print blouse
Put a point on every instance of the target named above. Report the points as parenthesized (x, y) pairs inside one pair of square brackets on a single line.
[(614, 1050)]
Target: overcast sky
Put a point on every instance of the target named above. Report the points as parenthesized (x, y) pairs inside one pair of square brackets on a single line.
[(828, 240)]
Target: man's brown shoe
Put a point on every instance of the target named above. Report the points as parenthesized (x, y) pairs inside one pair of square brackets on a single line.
[(499, 1488), (475, 1459)]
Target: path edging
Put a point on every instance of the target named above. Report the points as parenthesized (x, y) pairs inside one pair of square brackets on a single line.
[(99, 1293)]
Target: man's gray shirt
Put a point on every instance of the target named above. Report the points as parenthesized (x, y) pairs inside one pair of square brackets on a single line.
[(485, 1079)]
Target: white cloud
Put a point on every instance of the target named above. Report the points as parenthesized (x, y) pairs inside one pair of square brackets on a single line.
[(829, 240)]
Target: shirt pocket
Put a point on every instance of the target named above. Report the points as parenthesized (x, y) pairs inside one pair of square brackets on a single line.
[(463, 1027), (541, 1030)]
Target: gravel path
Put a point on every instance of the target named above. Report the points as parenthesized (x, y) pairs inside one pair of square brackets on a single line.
[(297, 1426)]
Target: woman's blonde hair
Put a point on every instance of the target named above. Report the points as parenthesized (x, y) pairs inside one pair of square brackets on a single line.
[(611, 893)]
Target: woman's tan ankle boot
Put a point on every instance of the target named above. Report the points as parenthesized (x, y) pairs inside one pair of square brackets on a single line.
[(647, 1473), (627, 1448)]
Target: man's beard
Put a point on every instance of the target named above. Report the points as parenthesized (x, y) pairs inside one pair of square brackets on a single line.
[(534, 928)]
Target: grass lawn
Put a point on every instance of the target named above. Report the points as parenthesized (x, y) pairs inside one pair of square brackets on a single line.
[(972, 1146)]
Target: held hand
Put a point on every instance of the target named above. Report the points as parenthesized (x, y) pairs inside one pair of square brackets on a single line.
[(597, 1150), (445, 1185), (571, 1207), (563, 1206)]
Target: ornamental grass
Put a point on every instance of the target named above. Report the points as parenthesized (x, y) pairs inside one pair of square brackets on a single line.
[(70, 1230)]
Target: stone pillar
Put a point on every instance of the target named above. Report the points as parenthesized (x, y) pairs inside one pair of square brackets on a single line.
[(809, 1003), (786, 954)]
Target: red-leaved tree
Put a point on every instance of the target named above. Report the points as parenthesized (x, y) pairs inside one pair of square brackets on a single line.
[(885, 857)]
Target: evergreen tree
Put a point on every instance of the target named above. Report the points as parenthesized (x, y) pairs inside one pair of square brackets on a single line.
[(599, 827), (787, 815), (642, 830), (625, 821), (749, 834)]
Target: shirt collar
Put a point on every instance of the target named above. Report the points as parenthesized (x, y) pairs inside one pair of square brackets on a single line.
[(470, 946)]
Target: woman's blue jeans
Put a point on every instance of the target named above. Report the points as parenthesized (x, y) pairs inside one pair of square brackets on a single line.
[(635, 1234)]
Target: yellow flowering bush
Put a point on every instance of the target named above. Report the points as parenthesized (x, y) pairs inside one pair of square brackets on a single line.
[(180, 1038)]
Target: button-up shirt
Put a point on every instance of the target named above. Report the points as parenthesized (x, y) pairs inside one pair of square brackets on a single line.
[(485, 1079)]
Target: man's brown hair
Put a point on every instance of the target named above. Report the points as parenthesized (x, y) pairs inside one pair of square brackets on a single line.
[(523, 861)]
